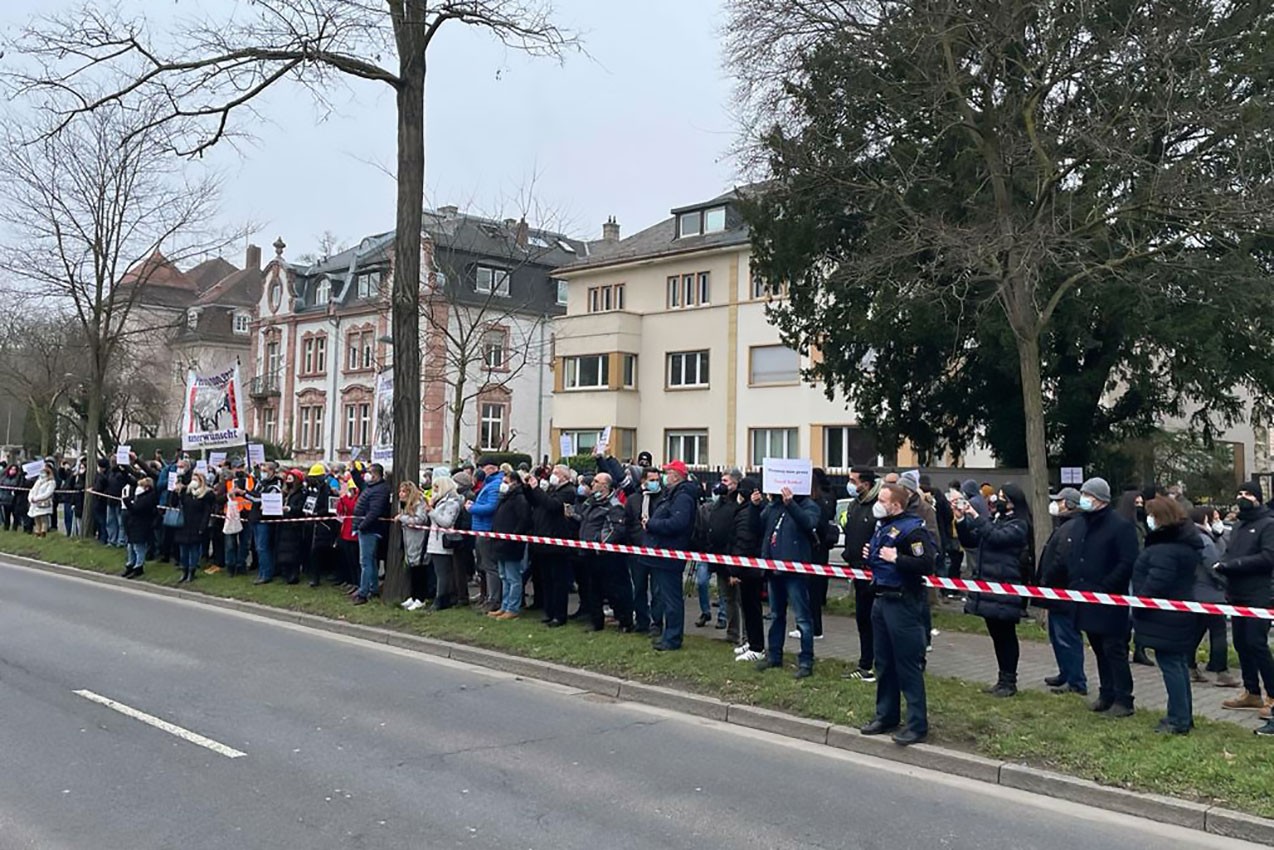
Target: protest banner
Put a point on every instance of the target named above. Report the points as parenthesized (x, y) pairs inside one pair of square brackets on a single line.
[(213, 414), (383, 427), (797, 474)]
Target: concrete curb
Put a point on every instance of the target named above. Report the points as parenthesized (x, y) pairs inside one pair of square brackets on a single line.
[(1212, 819)]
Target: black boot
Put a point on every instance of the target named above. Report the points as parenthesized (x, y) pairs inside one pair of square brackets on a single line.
[(185, 576), (1007, 686), (1139, 656), (999, 683)]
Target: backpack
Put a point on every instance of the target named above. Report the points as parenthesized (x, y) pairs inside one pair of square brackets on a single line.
[(699, 537)]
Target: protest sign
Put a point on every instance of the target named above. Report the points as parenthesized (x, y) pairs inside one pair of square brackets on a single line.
[(797, 474), (213, 414), (32, 469), (272, 504), (256, 453), (566, 445), (123, 455)]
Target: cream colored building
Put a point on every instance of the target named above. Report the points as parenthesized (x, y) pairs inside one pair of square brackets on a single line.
[(665, 339)]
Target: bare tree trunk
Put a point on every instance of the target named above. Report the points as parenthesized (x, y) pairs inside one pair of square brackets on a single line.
[(1028, 353), (457, 417), (411, 32), (91, 426)]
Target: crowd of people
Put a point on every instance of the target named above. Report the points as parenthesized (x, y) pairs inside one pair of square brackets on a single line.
[(331, 522)]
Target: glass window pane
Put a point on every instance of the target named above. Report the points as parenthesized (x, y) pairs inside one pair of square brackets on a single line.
[(688, 224), (714, 220), (774, 364)]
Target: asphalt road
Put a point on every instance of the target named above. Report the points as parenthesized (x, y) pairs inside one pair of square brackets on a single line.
[(348, 745)]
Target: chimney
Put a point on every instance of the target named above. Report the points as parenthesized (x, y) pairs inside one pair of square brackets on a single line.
[(449, 211), (522, 234), (252, 261), (610, 230)]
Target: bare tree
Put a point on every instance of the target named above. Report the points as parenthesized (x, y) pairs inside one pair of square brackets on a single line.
[(218, 68), (39, 362), (87, 209), (328, 244)]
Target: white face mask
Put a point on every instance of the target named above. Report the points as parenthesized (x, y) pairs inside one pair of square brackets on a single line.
[(1218, 527), (554, 480), (504, 486), (1054, 509), (1151, 524), (879, 512)]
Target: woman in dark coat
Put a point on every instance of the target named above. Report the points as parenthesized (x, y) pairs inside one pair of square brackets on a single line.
[(750, 580), (290, 543), (512, 516), (1165, 569), (1003, 547), (196, 508), (141, 508)]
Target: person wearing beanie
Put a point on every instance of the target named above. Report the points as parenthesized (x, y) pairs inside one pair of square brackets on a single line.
[(1101, 561), (921, 503), (1063, 627), (1247, 566)]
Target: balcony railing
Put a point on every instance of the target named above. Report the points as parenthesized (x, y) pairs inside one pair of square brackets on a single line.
[(264, 386)]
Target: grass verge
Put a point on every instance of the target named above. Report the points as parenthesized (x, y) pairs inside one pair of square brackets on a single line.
[(1219, 763)]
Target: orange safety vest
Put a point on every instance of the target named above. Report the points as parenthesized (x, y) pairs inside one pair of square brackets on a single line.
[(242, 501)]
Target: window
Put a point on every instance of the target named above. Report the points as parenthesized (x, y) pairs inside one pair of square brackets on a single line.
[(320, 354), (774, 364), (590, 371), (311, 436), (492, 281), (584, 441), (701, 221), (358, 424), (368, 284), (689, 290), (688, 446), (845, 447), (273, 361), (562, 289), (773, 442), (270, 420), (602, 299), (761, 288), (688, 369), (307, 359), (491, 434), (630, 372), (323, 292), (493, 350), (241, 323), (360, 351)]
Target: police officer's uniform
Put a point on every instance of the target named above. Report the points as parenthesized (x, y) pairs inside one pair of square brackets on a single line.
[(898, 624)]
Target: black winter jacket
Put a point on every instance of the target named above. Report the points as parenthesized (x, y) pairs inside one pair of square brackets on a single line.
[(1053, 563), (860, 525), (194, 517), (1165, 570), (721, 524), (289, 537), (632, 510), (672, 524), (372, 506), (139, 518), (1102, 553), (1249, 561), (512, 516), (548, 516), (1000, 545), (602, 521)]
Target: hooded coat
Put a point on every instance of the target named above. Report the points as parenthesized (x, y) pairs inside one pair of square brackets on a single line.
[(1003, 555), (1165, 569)]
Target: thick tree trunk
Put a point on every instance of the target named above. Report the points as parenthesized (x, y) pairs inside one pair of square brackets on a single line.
[(457, 418), (1028, 351), (410, 31)]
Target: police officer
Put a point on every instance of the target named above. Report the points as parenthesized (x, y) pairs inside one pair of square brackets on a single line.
[(901, 553)]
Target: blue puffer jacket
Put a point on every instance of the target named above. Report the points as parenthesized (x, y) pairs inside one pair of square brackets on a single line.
[(788, 529), (1000, 545), (671, 524), (483, 510)]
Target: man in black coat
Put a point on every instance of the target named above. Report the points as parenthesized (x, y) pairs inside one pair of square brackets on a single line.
[(648, 613), (553, 565), (1247, 565), (602, 519), (370, 511), (1102, 554), (1063, 626), (860, 525)]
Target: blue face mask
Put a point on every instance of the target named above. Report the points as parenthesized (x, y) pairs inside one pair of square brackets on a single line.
[(652, 486), (1085, 503), (582, 490)]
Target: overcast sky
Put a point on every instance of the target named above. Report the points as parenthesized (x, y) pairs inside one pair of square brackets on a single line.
[(636, 127)]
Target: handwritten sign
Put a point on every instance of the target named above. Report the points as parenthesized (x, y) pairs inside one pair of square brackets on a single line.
[(172, 481), (603, 442), (797, 474), (215, 459), (272, 504), (566, 445), (201, 466), (1073, 475), (123, 455), (256, 453), (33, 469)]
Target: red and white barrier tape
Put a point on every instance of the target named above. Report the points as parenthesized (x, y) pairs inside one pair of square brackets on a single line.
[(1026, 591)]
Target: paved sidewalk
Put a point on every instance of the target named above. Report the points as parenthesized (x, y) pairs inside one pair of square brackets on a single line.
[(970, 657)]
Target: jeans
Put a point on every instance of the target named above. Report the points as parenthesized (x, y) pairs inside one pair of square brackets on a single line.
[(136, 555), (864, 597), (511, 581), (236, 546), (368, 543), (702, 577), (900, 655), (114, 528), (1175, 667), (1068, 648), (646, 607), (1213, 626), (785, 588), (263, 537), (68, 519), (190, 553), (1252, 643), (671, 603), (1113, 673)]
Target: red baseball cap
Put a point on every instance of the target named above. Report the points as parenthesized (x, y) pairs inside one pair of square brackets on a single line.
[(678, 467)]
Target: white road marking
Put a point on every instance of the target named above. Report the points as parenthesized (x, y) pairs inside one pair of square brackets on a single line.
[(163, 725)]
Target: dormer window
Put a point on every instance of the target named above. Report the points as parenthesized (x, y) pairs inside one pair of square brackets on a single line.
[(699, 222), (368, 284), (241, 322), (323, 292)]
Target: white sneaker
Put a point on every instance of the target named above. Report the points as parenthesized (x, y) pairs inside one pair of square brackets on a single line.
[(794, 633), (410, 602), (818, 637), (739, 650), (929, 648), (749, 655), (934, 632)]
